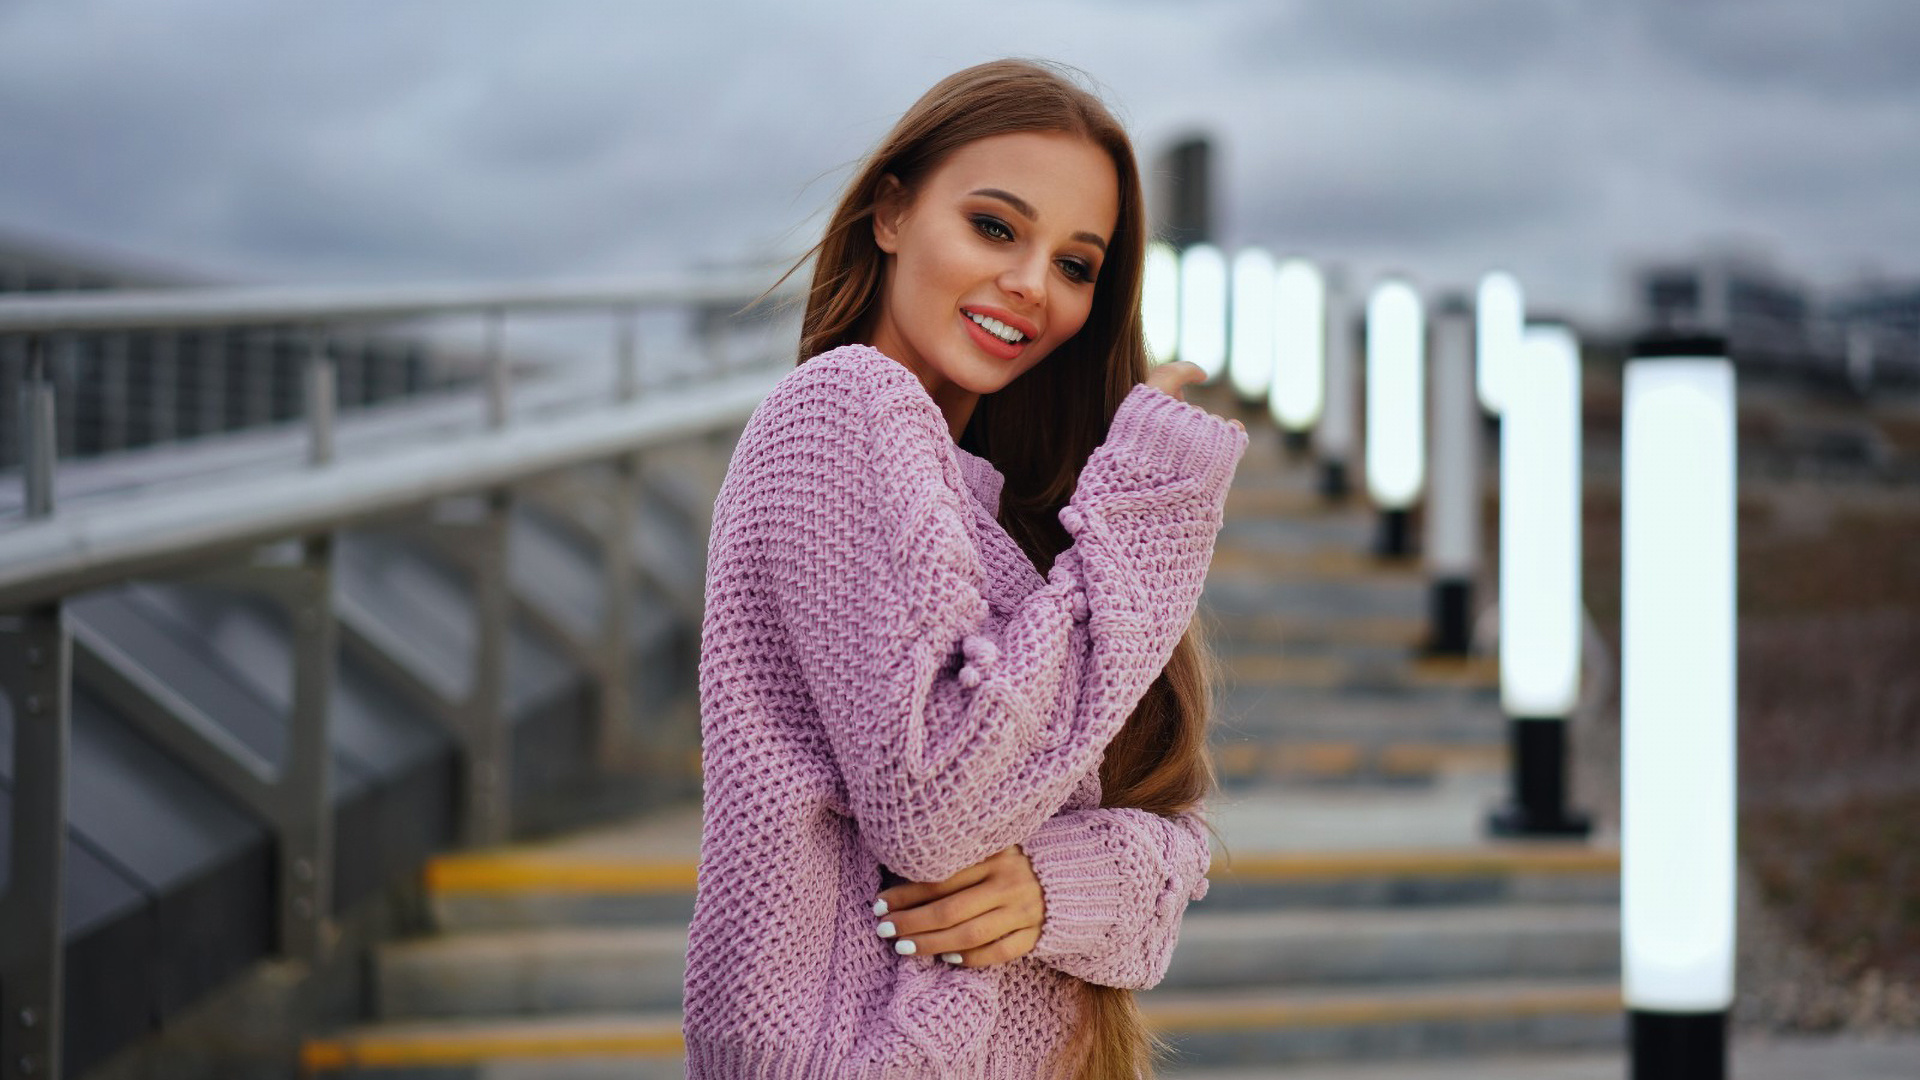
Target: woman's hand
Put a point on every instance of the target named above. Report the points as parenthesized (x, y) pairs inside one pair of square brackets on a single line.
[(989, 913), (1173, 376)]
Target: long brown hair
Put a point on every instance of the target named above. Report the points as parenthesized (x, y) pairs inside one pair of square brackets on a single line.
[(1038, 432)]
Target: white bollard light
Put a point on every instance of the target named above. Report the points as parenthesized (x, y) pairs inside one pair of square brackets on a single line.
[(1499, 318), (1540, 598), (1299, 390), (1677, 696), (1203, 308), (1335, 437), (1453, 504), (1250, 359), (1396, 409), (1160, 301)]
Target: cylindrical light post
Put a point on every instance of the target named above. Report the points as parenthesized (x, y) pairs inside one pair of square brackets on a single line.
[(1499, 319), (1334, 438), (1540, 605), (1677, 696), (1160, 301), (1453, 506), (1396, 409), (1299, 350), (1203, 308), (1250, 355)]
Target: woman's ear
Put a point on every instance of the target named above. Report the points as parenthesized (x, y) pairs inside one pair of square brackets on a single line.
[(889, 210)]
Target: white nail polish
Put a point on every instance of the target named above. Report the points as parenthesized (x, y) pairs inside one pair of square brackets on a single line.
[(886, 929), (950, 957), (879, 907), (904, 948)]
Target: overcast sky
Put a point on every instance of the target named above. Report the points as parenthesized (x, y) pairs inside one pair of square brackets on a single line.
[(364, 140)]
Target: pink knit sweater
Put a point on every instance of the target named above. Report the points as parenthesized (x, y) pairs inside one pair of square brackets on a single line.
[(887, 681)]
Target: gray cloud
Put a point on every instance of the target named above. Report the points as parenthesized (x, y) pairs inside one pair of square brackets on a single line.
[(363, 140)]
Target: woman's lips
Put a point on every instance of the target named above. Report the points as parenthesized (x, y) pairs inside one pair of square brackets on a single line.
[(993, 345)]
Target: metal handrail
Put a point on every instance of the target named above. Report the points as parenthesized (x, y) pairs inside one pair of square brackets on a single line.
[(44, 559), (213, 527), (178, 309)]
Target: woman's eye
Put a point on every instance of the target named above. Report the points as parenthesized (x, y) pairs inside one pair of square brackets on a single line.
[(1076, 269), (993, 227)]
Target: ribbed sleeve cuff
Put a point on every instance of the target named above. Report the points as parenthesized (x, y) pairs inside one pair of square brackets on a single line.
[(1083, 889), (1164, 439)]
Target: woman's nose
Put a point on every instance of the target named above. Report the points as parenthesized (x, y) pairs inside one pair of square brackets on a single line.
[(1027, 280)]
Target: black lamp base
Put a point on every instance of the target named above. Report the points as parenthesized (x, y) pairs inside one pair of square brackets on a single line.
[(1395, 539), (1677, 1046), (1538, 807), (1333, 480)]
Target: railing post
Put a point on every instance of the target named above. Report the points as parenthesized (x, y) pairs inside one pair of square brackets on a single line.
[(496, 362), (482, 716), (626, 355), (37, 422), (35, 662), (114, 375), (617, 578), (165, 407), (320, 398)]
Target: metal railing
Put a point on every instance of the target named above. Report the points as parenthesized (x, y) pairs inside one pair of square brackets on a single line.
[(273, 535)]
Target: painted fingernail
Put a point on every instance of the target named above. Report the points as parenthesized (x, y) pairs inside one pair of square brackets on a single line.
[(904, 948), (886, 929), (879, 907), (950, 957)]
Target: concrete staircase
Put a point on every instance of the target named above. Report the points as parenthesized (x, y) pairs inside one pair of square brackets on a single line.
[(1359, 925)]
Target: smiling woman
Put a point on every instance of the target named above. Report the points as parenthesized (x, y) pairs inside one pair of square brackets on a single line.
[(953, 705)]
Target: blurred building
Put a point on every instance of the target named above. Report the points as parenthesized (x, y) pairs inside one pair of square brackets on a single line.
[(1776, 326), (120, 391)]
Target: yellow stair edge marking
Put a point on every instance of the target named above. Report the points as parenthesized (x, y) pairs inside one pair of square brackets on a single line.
[(1522, 857), (1224, 1015), (1362, 630), (453, 1046), (511, 874), (507, 872)]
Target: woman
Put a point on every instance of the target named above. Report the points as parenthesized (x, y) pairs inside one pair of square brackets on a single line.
[(952, 707)]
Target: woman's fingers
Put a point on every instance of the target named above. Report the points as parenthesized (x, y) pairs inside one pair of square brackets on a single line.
[(977, 939), (1012, 947), (915, 893)]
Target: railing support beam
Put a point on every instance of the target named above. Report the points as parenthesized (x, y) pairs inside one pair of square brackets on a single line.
[(36, 673)]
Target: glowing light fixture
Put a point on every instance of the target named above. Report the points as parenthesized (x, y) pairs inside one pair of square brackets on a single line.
[(1453, 505), (1250, 362), (1160, 301), (1500, 318), (1300, 346), (1396, 396), (1678, 679), (1540, 605), (1334, 438), (1203, 308)]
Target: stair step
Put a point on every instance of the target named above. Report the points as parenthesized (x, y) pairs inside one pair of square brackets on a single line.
[(498, 891), (1337, 946), (1583, 1065), (443, 1044), (1432, 1020), (531, 972), (1240, 764), (1207, 1028), (601, 969), (1360, 671)]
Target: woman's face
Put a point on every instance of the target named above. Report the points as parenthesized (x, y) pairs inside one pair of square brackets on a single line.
[(994, 257)]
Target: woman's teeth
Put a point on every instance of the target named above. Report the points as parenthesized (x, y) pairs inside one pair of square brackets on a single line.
[(998, 329)]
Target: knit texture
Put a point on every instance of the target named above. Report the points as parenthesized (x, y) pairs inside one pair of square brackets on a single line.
[(887, 681)]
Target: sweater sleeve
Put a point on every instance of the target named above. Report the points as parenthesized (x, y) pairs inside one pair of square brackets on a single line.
[(958, 730), (1117, 882)]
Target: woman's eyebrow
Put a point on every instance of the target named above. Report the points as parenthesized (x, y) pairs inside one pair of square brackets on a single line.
[(1025, 209)]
